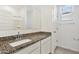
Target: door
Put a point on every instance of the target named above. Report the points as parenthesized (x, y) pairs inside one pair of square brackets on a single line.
[(68, 33)]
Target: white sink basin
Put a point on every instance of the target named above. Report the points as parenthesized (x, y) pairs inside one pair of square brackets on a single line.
[(17, 43)]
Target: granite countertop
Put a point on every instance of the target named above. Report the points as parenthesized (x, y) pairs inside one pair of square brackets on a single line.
[(5, 47)]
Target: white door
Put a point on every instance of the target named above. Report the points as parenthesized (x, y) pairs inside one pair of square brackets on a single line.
[(68, 32)]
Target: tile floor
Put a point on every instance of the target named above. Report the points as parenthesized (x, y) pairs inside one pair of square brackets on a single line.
[(60, 50)]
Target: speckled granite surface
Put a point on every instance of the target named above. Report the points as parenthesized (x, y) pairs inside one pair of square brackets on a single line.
[(5, 47)]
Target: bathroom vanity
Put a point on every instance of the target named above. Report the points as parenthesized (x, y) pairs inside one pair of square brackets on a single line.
[(31, 43)]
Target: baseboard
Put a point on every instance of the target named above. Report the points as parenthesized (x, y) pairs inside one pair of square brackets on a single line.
[(75, 50)]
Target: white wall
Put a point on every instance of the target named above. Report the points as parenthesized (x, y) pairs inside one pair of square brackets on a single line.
[(40, 17), (6, 23), (46, 18), (36, 17), (68, 34), (23, 20), (7, 19), (33, 17)]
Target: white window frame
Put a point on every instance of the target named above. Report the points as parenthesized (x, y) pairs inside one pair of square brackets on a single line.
[(66, 18)]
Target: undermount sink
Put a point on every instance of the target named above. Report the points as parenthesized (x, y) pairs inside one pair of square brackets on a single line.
[(17, 43)]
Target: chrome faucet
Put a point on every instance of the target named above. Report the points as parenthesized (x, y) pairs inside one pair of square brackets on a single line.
[(19, 36)]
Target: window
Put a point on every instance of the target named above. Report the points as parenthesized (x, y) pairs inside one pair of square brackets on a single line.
[(66, 9), (66, 14)]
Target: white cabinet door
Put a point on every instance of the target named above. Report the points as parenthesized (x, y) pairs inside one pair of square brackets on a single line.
[(36, 51), (35, 48), (54, 43), (30, 49), (46, 45)]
